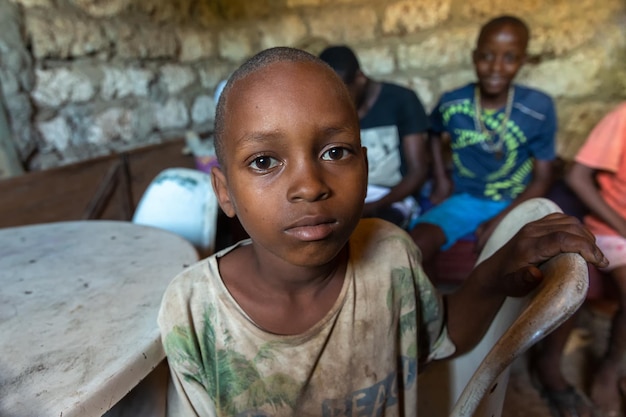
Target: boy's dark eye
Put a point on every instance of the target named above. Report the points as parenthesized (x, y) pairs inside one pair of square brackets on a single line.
[(485, 56), (510, 58), (334, 154), (263, 163)]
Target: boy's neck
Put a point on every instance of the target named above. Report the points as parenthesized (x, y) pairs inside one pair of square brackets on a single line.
[(285, 299), (494, 102)]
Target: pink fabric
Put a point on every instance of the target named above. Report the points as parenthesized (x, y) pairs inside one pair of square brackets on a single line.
[(605, 151), (614, 248)]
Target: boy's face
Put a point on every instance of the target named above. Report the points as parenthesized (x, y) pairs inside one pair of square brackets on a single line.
[(295, 172), (499, 55)]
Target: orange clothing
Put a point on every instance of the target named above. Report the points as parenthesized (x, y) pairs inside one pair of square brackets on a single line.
[(605, 151)]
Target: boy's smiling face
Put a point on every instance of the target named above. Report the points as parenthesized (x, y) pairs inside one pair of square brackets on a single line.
[(499, 55), (295, 172)]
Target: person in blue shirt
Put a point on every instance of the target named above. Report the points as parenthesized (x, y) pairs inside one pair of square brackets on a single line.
[(502, 140)]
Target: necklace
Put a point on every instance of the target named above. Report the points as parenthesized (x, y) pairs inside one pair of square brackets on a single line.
[(494, 139)]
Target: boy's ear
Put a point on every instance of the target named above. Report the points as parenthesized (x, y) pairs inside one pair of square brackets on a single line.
[(220, 186)]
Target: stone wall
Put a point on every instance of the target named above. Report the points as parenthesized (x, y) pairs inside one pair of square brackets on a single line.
[(83, 78)]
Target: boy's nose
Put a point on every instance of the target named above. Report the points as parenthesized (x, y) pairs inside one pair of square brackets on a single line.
[(307, 183), (496, 64)]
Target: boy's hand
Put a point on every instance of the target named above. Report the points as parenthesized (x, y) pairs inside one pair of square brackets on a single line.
[(513, 269)]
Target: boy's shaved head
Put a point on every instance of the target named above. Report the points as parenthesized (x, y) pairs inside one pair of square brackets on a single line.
[(254, 64), (500, 21)]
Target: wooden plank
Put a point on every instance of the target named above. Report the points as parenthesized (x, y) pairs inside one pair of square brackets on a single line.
[(103, 193), (105, 188), (57, 194)]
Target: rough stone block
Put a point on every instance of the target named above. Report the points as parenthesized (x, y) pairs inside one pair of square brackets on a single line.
[(57, 86), (577, 74), (377, 61), (125, 82), (345, 25), (56, 133), (409, 16), (444, 50), (171, 115), (212, 72), (283, 31), (300, 3), (142, 41), (55, 35), (235, 44), (576, 120), (113, 124), (203, 110), (195, 44), (102, 8), (484, 9), (176, 78)]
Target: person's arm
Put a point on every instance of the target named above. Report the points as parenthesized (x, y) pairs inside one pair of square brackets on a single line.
[(442, 184), (580, 179), (415, 147), (537, 187), (513, 271)]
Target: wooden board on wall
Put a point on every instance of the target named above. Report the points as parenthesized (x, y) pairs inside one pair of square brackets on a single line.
[(53, 195), (71, 192)]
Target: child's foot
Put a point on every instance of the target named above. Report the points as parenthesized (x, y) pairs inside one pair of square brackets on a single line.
[(606, 391)]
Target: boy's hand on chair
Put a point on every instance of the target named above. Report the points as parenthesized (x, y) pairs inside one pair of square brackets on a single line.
[(516, 264)]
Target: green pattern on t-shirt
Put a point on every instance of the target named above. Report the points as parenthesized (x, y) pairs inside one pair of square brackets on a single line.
[(225, 373)]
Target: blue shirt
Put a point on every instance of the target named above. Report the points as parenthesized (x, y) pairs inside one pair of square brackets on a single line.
[(529, 135)]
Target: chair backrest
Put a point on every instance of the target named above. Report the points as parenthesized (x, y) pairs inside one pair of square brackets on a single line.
[(475, 383), (182, 201)]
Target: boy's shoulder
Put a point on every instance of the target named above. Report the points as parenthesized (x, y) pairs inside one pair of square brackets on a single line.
[(204, 272), (395, 88), (397, 91), (531, 95), (460, 94), (375, 238)]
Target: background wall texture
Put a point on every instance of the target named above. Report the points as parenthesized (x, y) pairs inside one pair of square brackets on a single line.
[(84, 78)]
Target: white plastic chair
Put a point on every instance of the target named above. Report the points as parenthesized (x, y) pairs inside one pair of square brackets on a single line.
[(475, 383), (182, 201)]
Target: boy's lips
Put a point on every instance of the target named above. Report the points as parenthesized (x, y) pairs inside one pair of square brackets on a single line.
[(494, 81), (311, 228)]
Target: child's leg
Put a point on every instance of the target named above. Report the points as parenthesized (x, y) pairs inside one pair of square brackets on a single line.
[(547, 355), (605, 386), (441, 226), (429, 238)]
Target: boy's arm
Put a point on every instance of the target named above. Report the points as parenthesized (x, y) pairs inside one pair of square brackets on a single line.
[(513, 271), (442, 187), (415, 149), (580, 178), (537, 187)]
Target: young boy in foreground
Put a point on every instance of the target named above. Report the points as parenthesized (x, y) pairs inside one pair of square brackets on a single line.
[(320, 312)]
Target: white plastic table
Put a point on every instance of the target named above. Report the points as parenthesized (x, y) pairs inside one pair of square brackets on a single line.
[(78, 309)]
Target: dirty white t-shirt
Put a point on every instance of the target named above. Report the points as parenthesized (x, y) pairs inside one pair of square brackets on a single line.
[(360, 359)]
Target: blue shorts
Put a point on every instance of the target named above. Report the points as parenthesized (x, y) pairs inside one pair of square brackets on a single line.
[(460, 215)]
